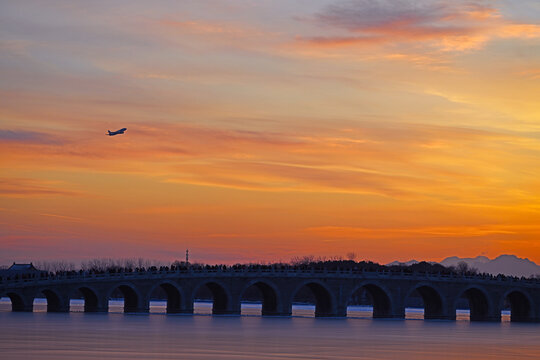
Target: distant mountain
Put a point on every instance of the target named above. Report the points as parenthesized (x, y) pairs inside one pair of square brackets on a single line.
[(406, 263), (504, 264), (476, 262)]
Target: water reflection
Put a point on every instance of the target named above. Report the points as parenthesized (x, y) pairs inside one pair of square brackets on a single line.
[(81, 336), (248, 308)]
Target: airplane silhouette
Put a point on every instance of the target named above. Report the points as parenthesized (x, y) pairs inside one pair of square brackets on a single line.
[(117, 132)]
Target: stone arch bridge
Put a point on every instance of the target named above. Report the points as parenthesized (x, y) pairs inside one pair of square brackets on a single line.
[(389, 291)]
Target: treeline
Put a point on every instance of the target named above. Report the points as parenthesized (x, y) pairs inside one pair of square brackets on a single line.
[(101, 265), (337, 262), (423, 266), (98, 265)]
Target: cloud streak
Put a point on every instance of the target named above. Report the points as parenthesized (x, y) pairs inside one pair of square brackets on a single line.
[(24, 187), (443, 26), (29, 137), (398, 161)]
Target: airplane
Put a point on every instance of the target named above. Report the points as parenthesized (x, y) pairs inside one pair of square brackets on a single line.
[(117, 132)]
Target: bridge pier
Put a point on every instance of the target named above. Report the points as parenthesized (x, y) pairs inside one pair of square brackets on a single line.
[(395, 315), (491, 314), (56, 301), (99, 304), (276, 313), (233, 308), (535, 316), (492, 317), (341, 309), (225, 312), (338, 310), (185, 308), (445, 312), (22, 308), (180, 311), (395, 310), (330, 314), (142, 306), (103, 309), (439, 317), (64, 308)]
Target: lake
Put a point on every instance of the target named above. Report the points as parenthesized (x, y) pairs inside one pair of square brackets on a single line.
[(115, 335)]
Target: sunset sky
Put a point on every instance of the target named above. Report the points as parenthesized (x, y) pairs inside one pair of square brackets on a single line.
[(259, 130)]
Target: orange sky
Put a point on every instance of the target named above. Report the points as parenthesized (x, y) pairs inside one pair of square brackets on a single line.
[(263, 130)]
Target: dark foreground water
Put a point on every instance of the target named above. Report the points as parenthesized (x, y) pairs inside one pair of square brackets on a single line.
[(115, 335)]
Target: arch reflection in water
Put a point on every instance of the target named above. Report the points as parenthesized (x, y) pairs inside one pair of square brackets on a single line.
[(216, 294), (167, 297), (425, 302), (373, 297), (477, 302), (132, 300), (49, 301), (85, 299), (17, 302), (259, 292), (313, 293), (520, 306)]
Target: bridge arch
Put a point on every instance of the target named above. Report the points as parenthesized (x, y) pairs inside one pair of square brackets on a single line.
[(325, 303), (55, 303), (521, 305), (19, 302), (132, 296), (380, 297), (91, 301), (220, 294), (434, 303), (479, 303), (270, 296), (175, 296), (91, 298)]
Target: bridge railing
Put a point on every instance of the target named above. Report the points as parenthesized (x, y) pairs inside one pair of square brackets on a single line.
[(277, 271)]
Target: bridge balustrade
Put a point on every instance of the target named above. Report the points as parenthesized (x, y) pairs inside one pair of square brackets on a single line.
[(60, 277)]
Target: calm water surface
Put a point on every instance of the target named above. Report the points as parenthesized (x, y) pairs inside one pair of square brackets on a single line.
[(115, 335)]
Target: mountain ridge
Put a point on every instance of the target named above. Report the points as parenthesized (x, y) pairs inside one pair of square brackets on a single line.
[(505, 264)]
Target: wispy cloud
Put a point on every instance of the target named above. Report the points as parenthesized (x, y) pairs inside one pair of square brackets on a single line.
[(29, 137), (420, 25), (63, 217), (228, 34), (279, 177), (24, 187), (338, 232), (206, 27), (371, 158)]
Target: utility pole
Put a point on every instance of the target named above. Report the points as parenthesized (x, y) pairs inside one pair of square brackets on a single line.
[(187, 256)]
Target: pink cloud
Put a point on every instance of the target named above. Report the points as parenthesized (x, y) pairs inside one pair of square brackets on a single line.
[(445, 26)]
